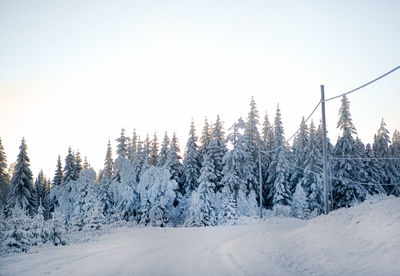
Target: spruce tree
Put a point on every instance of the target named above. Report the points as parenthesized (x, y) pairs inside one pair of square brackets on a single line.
[(389, 173), (395, 153), (164, 151), (172, 164), (69, 173), (106, 199), (267, 154), (299, 151), (122, 145), (153, 159), (41, 189), (4, 178), (346, 190), (278, 176), (22, 194), (202, 211), (217, 149), (58, 175), (373, 168), (205, 138), (191, 163), (133, 146), (311, 180), (253, 142), (78, 164)]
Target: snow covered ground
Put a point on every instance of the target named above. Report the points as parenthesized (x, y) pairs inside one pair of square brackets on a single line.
[(362, 240)]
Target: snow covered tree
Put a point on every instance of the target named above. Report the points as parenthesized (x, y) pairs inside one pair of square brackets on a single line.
[(93, 217), (22, 192), (310, 181), (299, 151), (69, 168), (267, 154), (299, 204), (395, 153), (140, 162), (41, 188), (153, 158), (278, 176), (39, 231), (4, 178), (172, 164), (157, 195), (389, 173), (253, 141), (205, 138), (17, 236), (347, 190), (164, 151), (57, 231), (217, 149), (78, 164), (58, 175), (105, 196), (202, 211), (122, 145), (373, 169), (132, 146), (191, 163), (229, 211), (280, 193)]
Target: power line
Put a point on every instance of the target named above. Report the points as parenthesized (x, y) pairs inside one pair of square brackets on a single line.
[(364, 85), (347, 180), (294, 134), (363, 158)]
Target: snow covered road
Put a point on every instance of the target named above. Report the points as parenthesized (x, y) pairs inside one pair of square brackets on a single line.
[(363, 240)]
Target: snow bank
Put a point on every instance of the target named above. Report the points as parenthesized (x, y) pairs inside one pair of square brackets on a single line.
[(362, 240)]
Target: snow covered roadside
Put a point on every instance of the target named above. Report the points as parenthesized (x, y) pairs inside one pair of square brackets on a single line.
[(363, 240)]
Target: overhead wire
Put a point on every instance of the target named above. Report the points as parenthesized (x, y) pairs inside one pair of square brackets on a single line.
[(364, 85)]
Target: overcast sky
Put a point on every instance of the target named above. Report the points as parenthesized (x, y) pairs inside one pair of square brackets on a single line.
[(73, 73)]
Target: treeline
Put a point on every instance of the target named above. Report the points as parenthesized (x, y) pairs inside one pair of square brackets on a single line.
[(215, 182)]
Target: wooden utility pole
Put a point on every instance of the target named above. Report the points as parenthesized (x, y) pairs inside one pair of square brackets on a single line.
[(324, 151), (260, 176)]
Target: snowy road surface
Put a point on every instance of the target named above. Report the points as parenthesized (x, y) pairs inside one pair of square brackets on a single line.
[(364, 240)]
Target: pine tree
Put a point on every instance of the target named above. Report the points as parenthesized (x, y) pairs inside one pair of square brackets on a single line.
[(202, 211), (228, 213), (267, 155), (164, 151), (69, 168), (191, 163), (205, 138), (132, 146), (253, 142), (17, 236), (373, 168), (278, 176), (122, 146), (4, 178), (389, 173), (58, 175), (39, 231), (172, 163), (157, 196), (395, 153), (299, 150), (217, 149), (40, 186), (280, 193), (153, 160), (310, 181), (78, 164), (57, 231), (22, 194), (299, 204), (106, 198), (346, 190), (140, 162)]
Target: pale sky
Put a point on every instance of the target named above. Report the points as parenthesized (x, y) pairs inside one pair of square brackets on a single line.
[(73, 73)]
